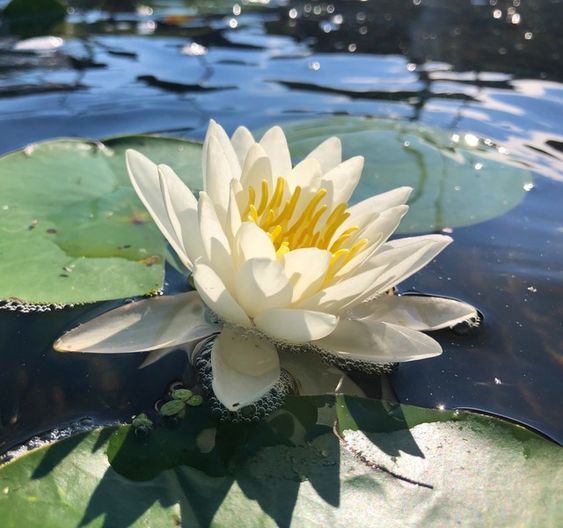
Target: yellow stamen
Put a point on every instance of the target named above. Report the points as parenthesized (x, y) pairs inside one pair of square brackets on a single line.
[(355, 249), (334, 221), (307, 229), (265, 225), (308, 211), (305, 241), (338, 210), (278, 194), (289, 207), (263, 198), (275, 232), (283, 249), (343, 237), (252, 214), (251, 198), (335, 259)]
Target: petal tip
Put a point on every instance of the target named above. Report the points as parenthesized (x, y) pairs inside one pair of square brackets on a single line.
[(58, 346)]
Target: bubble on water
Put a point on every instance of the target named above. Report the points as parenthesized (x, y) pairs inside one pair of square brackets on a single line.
[(468, 326), (12, 305), (352, 365), (83, 425)]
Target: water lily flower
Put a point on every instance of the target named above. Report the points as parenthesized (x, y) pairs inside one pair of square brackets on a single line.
[(279, 258)]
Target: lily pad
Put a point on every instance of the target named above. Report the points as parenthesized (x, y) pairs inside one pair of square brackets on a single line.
[(455, 184), (72, 229), (449, 468)]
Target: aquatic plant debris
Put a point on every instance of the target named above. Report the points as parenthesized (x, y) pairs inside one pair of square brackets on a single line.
[(279, 258)]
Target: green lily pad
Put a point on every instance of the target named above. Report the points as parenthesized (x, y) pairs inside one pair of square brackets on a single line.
[(322, 461), (72, 229), (454, 184)]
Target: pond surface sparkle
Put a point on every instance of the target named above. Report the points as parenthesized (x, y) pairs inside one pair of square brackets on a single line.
[(489, 74)]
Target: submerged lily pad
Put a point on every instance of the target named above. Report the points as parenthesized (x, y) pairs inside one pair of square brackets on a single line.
[(454, 184), (387, 464), (72, 229)]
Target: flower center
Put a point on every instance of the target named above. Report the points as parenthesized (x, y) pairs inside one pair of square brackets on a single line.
[(300, 219)]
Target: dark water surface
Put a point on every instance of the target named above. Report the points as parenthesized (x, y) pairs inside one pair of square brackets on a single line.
[(487, 68)]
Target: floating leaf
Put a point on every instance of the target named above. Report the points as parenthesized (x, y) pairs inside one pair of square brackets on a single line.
[(182, 394), (448, 467), (454, 186), (72, 229), (172, 408), (195, 400)]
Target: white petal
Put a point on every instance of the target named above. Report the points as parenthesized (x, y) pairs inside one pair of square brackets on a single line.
[(254, 152), (377, 342), (253, 242), (233, 221), (242, 140), (224, 146), (218, 177), (261, 284), (380, 202), (141, 326), (295, 326), (415, 311), (335, 297), (157, 355), (306, 269), (377, 232), (146, 182), (360, 221), (244, 368), (214, 240), (217, 297), (306, 174), (342, 179), (253, 174), (328, 153), (181, 206), (400, 259), (384, 225), (275, 145)]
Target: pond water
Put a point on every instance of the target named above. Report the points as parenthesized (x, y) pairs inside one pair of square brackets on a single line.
[(481, 70)]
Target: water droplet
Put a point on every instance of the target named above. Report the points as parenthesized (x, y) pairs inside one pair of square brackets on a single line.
[(194, 50), (471, 140)]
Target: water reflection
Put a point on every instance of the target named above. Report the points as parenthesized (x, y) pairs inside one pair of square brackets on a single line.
[(489, 71)]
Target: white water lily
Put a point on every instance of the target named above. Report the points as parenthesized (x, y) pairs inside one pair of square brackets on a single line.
[(279, 256)]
